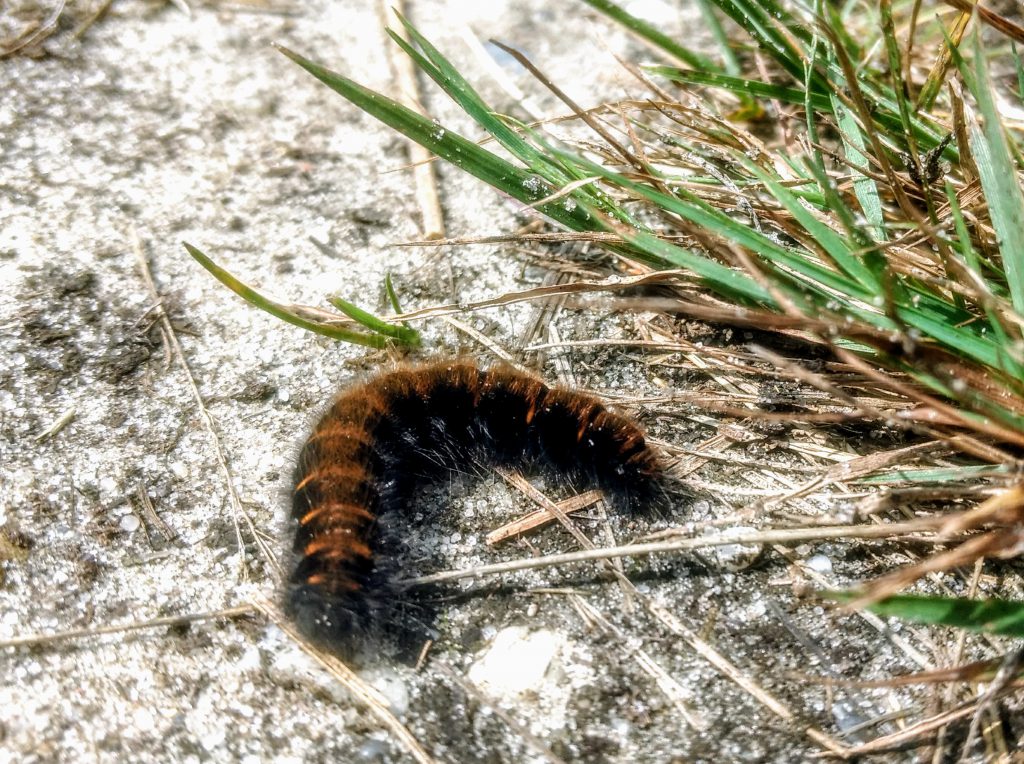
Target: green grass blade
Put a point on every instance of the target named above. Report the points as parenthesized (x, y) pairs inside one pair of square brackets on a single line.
[(401, 333), (937, 76), (648, 32), (585, 191), (974, 407), (1019, 66), (741, 86), (904, 107), (767, 24), (935, 475), (990, 616), (720, 278), (837, 248), (396, 305), (730, 63), (696, 211), (280, 311), (1007, 362), (1000, 179), (930, 315), (864, 187), (463, 153), (438, 68), (949, 326), (557, 174)]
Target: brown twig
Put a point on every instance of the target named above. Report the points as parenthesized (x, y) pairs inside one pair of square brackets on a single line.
[(237, 509), (781, 536), (47, 28), (427, 197), (41, 640)]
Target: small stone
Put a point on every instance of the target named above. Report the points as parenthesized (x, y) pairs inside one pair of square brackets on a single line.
[(819, 563), (516, 661), (735, 557)]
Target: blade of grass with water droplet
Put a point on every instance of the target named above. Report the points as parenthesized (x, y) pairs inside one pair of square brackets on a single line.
[(774, 29), (438, 68), (463, 153)]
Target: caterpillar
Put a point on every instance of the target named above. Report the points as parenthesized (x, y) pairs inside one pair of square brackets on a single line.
[(380, 441)]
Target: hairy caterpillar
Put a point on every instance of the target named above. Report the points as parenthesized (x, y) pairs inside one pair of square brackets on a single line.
[(358, 471)]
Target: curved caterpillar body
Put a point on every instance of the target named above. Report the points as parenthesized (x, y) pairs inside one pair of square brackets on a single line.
[(379, 441)]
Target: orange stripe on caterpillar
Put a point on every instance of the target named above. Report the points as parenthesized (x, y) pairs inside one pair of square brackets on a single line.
[(333, 510)]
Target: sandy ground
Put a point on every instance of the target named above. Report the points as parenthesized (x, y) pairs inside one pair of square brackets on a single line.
[(170, 128)]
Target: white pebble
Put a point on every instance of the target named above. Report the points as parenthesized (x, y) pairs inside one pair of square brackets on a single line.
[(819, 563), (516, 662), (143, 720), (735, 557), (389, 684)]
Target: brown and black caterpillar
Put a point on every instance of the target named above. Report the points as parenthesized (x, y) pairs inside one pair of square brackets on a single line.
[(381, 440)]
